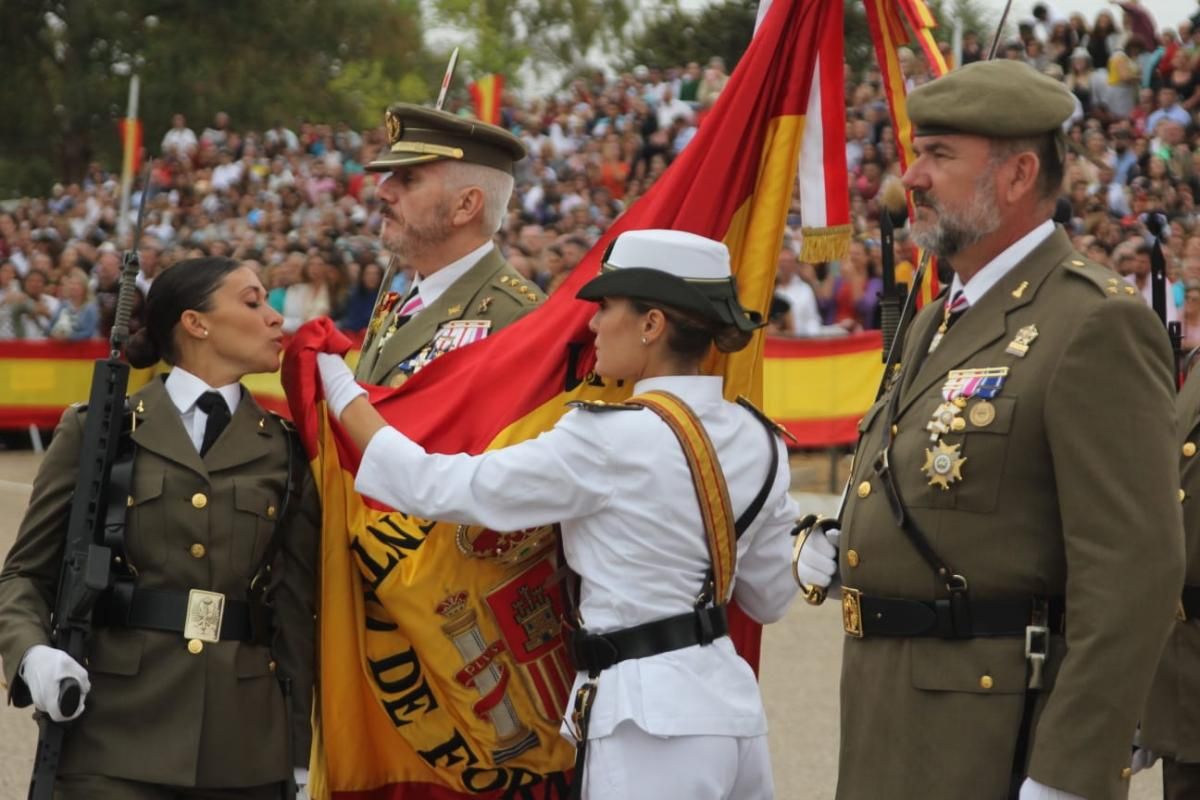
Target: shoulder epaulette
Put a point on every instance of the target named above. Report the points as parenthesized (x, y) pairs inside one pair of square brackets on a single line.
[(1101, 276), (602, 405), (746, 403), (525, 292)]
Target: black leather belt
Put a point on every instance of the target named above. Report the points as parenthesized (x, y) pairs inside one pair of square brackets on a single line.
[(1189, 603), (893, 616), (596, 652), (160, 610)]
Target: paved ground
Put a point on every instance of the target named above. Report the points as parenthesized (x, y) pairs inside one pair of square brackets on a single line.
[(801, 660)]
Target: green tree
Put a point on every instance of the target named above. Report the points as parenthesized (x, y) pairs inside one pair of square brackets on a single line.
[(258, 60), (673, 36), (505, 35)]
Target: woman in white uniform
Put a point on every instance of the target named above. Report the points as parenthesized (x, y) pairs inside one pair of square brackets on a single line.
[(676, 712)]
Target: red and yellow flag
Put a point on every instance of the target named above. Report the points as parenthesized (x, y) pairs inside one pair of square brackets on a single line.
[(888, 35), (130, 131), (443, 673), (486, 94)]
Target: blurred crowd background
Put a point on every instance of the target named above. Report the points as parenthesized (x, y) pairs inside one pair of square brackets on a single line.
[(295, 201)]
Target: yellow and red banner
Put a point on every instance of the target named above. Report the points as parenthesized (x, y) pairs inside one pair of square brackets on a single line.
[(888, 34), (130, 131), (443, 673), (486, 93)]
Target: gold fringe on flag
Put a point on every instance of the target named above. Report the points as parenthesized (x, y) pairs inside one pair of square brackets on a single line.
[(825, 244)]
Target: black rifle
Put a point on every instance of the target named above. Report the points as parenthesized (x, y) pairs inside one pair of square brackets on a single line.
[(1155, 223), (87, 561)]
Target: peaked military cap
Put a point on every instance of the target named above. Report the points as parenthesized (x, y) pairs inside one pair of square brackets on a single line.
[(674, 268), (1001, 98), (418, 135)]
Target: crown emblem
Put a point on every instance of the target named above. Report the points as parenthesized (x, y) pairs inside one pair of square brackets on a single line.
[(453, 606), (535, 614)]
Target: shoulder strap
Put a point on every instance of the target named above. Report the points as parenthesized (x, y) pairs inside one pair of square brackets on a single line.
[(760, 499), (711, 489), (259, 585)]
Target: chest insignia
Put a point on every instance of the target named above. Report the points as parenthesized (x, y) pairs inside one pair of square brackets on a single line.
[(1019, 346), (484, 305), (454, 310), (943, 466)]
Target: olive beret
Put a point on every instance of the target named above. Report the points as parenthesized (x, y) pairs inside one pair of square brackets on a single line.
[(418, 135), (1000, 99)]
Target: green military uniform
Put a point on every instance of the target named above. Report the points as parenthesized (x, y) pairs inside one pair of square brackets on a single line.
[(163, 709), (1034, 449), (491, 291), (1171, 722)]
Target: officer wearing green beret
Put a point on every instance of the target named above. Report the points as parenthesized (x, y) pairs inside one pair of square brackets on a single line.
[(447, 187), (1012, 549), (1171, 722)]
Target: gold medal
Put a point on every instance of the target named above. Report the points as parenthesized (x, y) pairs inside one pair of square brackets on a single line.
[(982, 414), (943, 465)]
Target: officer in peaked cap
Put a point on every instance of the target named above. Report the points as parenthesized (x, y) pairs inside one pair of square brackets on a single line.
[(1011, 551), (447, 185)]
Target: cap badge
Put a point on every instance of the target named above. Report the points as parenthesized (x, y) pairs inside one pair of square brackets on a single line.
[(394, 127)]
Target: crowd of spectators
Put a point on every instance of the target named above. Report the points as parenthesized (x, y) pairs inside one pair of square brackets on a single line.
[(299, 206)]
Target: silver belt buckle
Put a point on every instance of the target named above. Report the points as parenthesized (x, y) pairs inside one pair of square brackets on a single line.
[(204, 613), (1037, 645)]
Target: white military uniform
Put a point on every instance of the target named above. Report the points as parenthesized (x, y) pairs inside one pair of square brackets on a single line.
[(619, 484)]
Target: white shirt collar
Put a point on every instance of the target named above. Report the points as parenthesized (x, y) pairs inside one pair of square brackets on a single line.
[(435, 285), (185, 389), (693, 389), (1001, 265)]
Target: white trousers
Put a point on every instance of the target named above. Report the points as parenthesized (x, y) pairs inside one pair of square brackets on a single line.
[(631, 764)]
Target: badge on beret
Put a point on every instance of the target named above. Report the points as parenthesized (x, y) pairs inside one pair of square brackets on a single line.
[(943, 466), (1019, 346)]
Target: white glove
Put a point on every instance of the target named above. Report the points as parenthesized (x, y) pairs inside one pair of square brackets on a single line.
[(43, 669), (339, 383), (1143, 758), (817, 564), (1032, 790), (300, 774)]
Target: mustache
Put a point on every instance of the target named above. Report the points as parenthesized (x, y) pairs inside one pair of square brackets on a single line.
[(922, 199)]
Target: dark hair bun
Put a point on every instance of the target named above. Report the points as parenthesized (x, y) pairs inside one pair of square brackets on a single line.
[(141, 351)]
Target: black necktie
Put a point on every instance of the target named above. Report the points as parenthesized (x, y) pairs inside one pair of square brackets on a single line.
[(212, 404)]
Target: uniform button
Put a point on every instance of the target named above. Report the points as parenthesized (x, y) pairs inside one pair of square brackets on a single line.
[(195, 646), (985, 682), (1189, 449), (895, 429), (1182, 495), (271, 666), (197, 550), (852, 558), (864, 489), (1126, 774), (199, 500), (271, 512)]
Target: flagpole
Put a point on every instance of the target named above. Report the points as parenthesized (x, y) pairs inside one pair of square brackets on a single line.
[(128, 146)]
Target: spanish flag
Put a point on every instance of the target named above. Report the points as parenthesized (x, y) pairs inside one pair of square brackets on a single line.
[(486, 94), (443, 674), (888, 35)]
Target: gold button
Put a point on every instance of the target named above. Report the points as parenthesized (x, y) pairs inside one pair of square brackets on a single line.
[(1189, 449), (1126, 774), (1076, 262), (271, 666), (1111, 290), (195, 646), (271, 512), (1130, 290), (852, 558), (129, 501), (197, 550), (985, 682), (1182, 495), (199, 500), (864, 488), (895, 429)]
